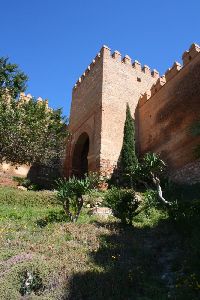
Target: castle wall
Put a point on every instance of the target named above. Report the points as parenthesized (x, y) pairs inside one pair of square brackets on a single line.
[(123, 82), (164, 108), (167, 111), (14, 170), (85, 115)]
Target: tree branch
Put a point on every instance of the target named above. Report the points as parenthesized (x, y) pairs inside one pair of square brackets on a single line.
[(156, 181)]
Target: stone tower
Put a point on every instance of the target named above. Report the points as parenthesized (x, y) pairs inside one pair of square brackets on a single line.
[(98, 110)]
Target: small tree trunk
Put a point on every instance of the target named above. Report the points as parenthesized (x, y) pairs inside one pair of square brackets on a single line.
[(156, 181), (67, 211), (80, 205)]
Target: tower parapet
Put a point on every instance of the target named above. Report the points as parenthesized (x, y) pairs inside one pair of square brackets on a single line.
[(190, 54), (26, 98), (116, 55), (187, 57)]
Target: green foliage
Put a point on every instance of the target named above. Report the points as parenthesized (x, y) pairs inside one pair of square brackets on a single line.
[(153, 163), (31, 133), (128, 155), (150, 200), (19, 180), (185, 208), (143, 172), (123, 203), (100, 253), (12, 80), (96, 180), (70, 195), (12, 196), (26, 182), (61, 250)]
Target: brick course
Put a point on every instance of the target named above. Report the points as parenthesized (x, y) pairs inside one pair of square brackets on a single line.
[(164, 108)]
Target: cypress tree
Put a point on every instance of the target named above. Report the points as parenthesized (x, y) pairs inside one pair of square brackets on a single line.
[(128, 154)]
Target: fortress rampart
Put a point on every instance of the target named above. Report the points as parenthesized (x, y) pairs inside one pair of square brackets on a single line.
[(99, 100), (26, 98), (166, 112), (164, 109)]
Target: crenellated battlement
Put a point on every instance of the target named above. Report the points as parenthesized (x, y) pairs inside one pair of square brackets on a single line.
[(163, 108), (187, 57), (190, 54), (26, 98), (116, 56)]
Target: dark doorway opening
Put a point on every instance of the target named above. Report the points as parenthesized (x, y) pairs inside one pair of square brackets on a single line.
[(80, 156)]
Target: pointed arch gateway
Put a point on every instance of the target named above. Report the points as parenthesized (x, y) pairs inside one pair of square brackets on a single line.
[(80, 156)]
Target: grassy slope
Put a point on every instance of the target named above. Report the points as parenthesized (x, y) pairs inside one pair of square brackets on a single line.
[(93, 259)]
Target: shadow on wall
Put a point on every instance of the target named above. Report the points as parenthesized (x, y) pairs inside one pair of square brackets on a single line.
[(44, 176), (80, 156)]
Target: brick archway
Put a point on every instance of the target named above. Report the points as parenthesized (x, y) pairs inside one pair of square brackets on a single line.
[(80, 155)]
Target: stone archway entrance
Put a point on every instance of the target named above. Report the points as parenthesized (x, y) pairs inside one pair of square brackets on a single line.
[(80, 156)]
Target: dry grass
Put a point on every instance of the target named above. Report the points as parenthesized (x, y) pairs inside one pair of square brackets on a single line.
[(90, 260)]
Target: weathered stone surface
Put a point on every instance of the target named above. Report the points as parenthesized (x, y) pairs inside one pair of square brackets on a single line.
[(22, 188), (164, 121), (164, 108), (188, 174), (99, 108), (101, 212)]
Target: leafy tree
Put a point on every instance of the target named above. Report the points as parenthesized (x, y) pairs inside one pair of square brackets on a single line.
[(70, 195), (148, 171), (30, 132), (128, 154), (11, 78)]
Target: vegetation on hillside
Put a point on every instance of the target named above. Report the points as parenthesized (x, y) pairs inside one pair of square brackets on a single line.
[(45, 257)]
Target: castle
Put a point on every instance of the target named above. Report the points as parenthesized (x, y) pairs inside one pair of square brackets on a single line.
[(164, 109)]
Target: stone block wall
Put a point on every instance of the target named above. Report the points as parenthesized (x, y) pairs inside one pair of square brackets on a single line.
[(98, 107), (124, 81), (85, 114), (14, 170), (166, 112), (164, 108)]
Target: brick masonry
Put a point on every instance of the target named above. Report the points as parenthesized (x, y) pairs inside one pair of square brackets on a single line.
[(189, 173), (164, 108)]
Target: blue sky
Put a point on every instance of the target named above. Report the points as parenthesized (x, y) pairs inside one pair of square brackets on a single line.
[(54, 41)]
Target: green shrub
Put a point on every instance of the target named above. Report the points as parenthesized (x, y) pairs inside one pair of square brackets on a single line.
[(150, 200), (185, 210), (70, 195), (123, 203), (26, 198), (26, 182), (94, 197), (18, 179), (185, 202), (96, 180)]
